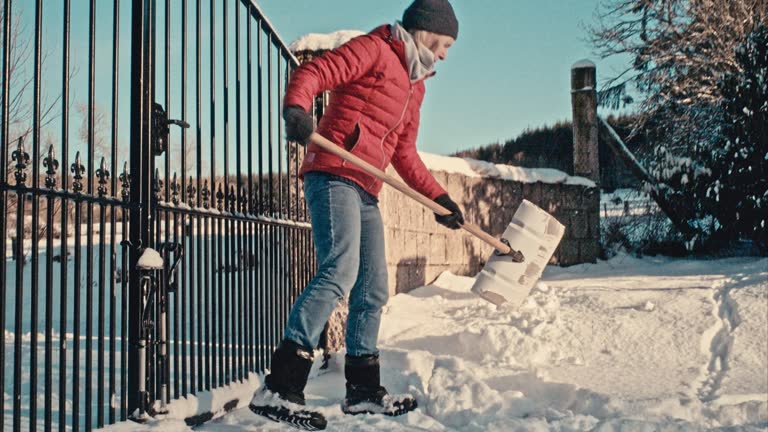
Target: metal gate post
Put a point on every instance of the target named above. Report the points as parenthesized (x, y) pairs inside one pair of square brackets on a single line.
[(140, 193)]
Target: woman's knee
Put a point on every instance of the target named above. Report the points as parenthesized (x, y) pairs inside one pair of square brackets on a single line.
[(373, 295), (339, 278)]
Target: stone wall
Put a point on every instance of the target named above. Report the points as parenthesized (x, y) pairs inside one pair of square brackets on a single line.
[(418, 249)]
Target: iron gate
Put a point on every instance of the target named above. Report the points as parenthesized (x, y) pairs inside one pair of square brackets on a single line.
[(214, 193)]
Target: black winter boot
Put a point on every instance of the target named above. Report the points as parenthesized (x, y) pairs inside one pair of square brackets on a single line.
[(282, 397), (291, 364), (365, 395)]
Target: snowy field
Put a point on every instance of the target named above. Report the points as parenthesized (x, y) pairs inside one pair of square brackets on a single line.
[(652, 344)]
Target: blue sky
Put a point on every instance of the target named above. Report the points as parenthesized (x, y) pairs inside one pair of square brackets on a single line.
[(508, 71)]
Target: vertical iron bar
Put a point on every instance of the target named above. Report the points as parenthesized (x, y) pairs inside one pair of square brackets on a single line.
[(263, 317), (187, 304), (185, 233), (101, 318), (177, 219), (284, 231), (3, 181), (76, 315), (113, 218), (48, 310), (270, 227), (89, 220), (281, 203), (153, 198), (199, 234), (125, 342), (241, 262), (249, 187), (20, 259), (217, 336), (64, 220), (263, 321), (242, 314), (297, 184), (166, 364), (217, 365), (35, 216), (259, 46), (140, 176), (221, 300), (227, 306), (205, 310)]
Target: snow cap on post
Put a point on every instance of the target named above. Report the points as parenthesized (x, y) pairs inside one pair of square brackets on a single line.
[(434, 16)]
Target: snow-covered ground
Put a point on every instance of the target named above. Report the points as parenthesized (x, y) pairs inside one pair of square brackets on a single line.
[(652, 344)]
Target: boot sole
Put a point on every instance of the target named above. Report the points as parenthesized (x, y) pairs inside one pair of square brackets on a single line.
[(398, 412), (305, 420)]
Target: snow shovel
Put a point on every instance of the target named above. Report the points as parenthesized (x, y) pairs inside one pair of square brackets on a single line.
[(493, 283)]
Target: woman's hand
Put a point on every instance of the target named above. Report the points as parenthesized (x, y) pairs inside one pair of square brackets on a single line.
[(298, 124), (454, 220)]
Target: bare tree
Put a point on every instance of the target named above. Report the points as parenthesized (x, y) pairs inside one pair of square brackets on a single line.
[(101, 131), (21, 111), (679, 48)]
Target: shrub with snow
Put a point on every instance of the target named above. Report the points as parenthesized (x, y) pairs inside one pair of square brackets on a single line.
[(739, 167)]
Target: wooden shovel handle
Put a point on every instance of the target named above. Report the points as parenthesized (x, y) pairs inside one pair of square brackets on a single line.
[(475, 230)]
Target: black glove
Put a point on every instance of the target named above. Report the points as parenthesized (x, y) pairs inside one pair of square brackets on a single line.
[(298, 124), (453, 220)]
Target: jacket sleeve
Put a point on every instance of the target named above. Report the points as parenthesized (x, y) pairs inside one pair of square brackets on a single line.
[(409, 165), (341, 65)]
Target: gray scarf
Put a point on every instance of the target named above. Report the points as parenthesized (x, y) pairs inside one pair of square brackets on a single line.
[(421, 61)]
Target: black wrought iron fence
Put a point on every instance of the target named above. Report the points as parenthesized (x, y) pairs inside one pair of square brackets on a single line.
[(97, 328)]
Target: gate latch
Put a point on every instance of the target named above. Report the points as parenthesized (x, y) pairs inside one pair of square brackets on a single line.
[(160, 128)]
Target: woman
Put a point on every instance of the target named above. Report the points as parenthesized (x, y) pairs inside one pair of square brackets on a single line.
[(377, 86)]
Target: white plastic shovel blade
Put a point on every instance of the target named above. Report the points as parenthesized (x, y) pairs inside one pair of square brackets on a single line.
[(536, 234)]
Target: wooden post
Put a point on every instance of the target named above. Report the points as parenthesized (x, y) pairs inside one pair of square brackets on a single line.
[(585, 127)]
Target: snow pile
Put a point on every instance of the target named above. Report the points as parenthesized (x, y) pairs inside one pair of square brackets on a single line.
[(623, 345), (317, 41), (476, 168), (150, 260)]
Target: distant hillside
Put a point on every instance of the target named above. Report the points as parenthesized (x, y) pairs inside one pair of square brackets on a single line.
[(552, 147)]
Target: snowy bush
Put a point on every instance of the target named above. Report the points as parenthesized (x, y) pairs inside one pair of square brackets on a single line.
[(738, 184)]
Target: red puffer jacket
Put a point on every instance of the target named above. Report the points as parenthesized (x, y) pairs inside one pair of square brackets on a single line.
[(373, 111)]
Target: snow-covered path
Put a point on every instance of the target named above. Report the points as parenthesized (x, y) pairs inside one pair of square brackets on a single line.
[(624, 345)]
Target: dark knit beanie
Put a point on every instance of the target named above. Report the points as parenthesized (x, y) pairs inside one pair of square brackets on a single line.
[(435, 16)]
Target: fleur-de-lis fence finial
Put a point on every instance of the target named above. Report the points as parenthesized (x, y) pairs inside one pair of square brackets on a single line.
[(125, 181), (191, 191), (78, 170), (243, 200), (231, 199), (52, 164), (175, 187), (254, 200), (157, 185), (103, 175), (22, 160), (220, 199), (205, 195)]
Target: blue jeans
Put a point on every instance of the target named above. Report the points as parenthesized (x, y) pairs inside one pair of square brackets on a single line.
[(349, 239)]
